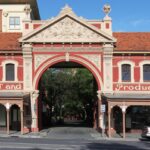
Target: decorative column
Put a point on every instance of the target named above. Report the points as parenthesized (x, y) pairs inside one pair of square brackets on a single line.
[(34, 110), (100, 118), (8, 110), (124, 120), (22, 121), (107, 65), (109, 121)]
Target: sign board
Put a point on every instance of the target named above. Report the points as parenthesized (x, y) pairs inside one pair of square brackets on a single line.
[(131, 87), (11, 86), (103, 108)]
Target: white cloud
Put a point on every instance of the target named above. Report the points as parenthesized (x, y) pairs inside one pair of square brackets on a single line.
[(139, 22), (119, 30)]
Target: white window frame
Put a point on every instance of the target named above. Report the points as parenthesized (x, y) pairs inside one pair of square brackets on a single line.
[(132, 64), (15, 63), (141, 64), (16, 27)]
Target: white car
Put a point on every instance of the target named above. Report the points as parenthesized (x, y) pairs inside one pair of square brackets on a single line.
[(146, 131)]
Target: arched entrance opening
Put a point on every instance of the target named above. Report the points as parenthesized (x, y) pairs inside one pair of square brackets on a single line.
[(116, 123), (129, 119), (15, 118), (66, 95), (3, 122), (136, 118)]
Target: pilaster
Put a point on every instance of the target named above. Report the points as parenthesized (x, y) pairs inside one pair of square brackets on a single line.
[(27, 63), (34, 96), (107, 68)]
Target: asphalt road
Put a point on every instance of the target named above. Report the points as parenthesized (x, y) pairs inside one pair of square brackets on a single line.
[(15, 143)]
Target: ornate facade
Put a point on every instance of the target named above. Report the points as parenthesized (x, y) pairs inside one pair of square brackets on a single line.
[(120, 62)]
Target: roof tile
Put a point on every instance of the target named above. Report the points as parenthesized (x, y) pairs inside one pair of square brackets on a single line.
[(9, 41), (127, 41)]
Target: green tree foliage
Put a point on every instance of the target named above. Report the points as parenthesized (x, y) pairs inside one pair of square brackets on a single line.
[(69, 92)]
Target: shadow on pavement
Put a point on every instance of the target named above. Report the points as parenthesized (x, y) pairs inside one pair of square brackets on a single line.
[(108, 145), (115, 146), (72, 124)]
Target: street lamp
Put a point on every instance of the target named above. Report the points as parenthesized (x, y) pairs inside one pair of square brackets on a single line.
[(7, 106)]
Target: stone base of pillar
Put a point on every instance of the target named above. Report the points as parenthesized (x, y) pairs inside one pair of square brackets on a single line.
[(94, 126), (27, 130), (112, 131), (35, 129), (99, 129)]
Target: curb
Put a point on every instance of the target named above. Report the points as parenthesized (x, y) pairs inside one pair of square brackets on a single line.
[(45, 135)]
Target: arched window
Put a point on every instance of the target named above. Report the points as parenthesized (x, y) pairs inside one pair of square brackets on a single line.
[(126, 72), (146, 72), (10, 72)]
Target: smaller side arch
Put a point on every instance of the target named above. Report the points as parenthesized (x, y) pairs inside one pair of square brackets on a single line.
[(2, 115), (15, 63), (131, 63), (141, 64), (15, 119)]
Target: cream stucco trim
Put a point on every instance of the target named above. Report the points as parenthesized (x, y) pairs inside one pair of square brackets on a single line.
[(4, 63), (120, 63), (141, 64)]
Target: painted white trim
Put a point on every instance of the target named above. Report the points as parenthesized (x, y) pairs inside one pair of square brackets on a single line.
[(141, 64), (122, 62), (4, 63)]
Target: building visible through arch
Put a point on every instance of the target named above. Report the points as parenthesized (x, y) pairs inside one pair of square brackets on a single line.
[(120, 62)]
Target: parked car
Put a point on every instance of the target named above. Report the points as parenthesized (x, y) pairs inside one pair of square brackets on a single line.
[(146, 131)]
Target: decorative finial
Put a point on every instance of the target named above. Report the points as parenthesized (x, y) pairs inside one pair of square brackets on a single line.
[(66, 10), (107, 9), (27, 9), (5, 13), (67, 7)]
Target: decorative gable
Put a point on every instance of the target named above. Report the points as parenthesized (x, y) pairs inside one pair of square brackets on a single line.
[(67, 27), (67, 30)]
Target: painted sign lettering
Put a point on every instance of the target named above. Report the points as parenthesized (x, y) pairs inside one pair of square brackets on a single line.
[(11, 86), (131, 87)]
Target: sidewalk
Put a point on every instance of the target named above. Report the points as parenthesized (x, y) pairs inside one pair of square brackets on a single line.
[(47, 133), (27, 135)]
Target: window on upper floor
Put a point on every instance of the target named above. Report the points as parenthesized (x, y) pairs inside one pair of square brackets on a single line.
[(14, 23), (10, 72), (146, 72), (126, 73)]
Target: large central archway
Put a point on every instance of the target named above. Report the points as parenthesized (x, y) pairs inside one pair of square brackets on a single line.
[(74, 59), (77, 59)]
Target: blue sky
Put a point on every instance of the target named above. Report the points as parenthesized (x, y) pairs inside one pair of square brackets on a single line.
[(127, 15)]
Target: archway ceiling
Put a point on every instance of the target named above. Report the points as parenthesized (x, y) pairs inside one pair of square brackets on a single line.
[(67, 27), (67, 65)]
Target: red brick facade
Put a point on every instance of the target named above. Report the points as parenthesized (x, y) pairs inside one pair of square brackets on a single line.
[(68, 38)]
